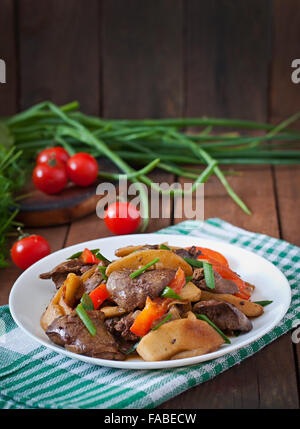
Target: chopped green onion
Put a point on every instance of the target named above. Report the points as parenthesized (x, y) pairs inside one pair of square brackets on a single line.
[(209, 275), (169, 293), (132, 349), (101, 257), (86, 320), (103, 272), (168, 317), (194, 262), (163, 246), (263, 303), (188, 279), (87, 302), (206, 319), (78, 254), (144, 268)]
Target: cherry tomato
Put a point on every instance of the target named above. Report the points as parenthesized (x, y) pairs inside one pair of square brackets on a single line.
[(50, 178), (58, 153), (27, 250), (82, 169), (122, 218)]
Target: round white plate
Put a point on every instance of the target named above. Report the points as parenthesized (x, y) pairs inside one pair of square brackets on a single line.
[(30, 295)]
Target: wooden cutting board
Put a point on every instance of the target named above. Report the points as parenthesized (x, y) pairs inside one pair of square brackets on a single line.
[(74, 202)]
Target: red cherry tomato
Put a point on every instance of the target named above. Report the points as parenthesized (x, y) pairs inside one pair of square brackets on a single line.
[(58, 153), (82, 169), (28, 250), (49, 178), (122, 218)]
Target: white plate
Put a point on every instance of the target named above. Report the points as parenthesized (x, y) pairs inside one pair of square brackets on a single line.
[(30, 295)]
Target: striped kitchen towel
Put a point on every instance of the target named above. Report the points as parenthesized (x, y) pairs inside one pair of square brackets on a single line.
[(32, 376)]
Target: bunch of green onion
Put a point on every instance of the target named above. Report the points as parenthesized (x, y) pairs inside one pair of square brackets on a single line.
[(149, 143)]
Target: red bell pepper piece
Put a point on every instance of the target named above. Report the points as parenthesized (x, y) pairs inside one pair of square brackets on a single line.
[(88, 257), (152, 311), (178, 281), (155, 309), (212, 256), (99, 295), (221, 266), (227, 273)]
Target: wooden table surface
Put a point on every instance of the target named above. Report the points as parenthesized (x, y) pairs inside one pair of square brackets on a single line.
[(133, 60)]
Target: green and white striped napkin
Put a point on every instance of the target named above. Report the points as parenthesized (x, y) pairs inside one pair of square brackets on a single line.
[(31, 376)]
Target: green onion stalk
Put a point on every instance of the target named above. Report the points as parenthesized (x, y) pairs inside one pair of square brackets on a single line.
[(136, 147)]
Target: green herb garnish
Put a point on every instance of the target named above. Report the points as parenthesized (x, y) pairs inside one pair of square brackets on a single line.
[(188, 279), (86, 320), (164, 247), (103, 272), (169, 293), (87, 302), (102, 258), (144, 268), (168, 317), (209, 275), (132, 349), (194, 262), (206, 319), (263, 303)]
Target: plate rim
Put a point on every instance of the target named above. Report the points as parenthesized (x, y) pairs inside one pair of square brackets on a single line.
[(143, 365)]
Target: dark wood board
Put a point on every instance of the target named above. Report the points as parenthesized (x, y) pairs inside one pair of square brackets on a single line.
[(71, 203), (74, 202)]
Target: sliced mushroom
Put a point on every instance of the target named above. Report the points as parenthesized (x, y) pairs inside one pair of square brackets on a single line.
[(179, 336), (167, 259)]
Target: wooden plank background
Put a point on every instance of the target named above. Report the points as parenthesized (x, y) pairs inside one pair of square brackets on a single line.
[(172, 58)]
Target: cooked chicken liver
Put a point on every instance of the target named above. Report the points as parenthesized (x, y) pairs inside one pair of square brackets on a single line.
[(70, 332), (191, 253), (60, 272), (221, 285), (120, 326), (131, 293), (92, 282), (226, 316)]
